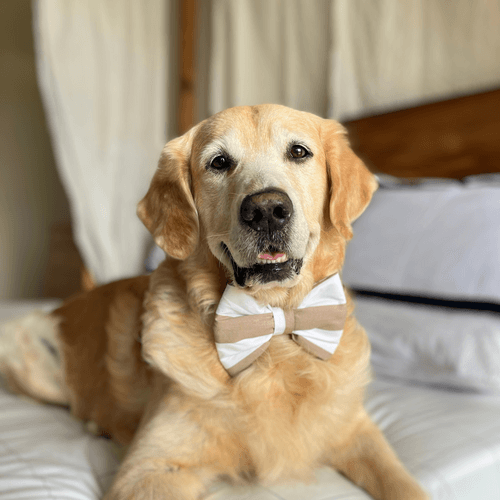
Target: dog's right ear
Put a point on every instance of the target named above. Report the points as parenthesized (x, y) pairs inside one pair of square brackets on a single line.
[(168, 209)]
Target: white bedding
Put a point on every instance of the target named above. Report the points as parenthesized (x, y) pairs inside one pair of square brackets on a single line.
[(449, 440), (445, 346), (44, 452), (438, 239)]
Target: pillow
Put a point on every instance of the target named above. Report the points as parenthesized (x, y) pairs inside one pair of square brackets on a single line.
[(154, 258), (438, 238), (433, 345)]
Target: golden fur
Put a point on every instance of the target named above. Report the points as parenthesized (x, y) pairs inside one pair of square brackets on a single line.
[(139, 355)]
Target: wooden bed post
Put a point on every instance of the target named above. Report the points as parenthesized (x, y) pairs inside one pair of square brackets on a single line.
[(187, 65)]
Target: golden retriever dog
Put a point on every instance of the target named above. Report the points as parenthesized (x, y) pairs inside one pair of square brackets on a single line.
[(258, 200)]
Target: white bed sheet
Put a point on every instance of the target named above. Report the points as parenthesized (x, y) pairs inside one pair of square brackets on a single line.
[(449, 440)]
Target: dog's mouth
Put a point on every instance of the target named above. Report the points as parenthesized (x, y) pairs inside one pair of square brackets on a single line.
[(272, 257), (271, 265)]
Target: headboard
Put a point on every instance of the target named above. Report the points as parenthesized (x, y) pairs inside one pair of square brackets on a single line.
[(452, 138)]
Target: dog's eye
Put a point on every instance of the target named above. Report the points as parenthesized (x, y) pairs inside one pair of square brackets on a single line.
[(220, 163), (299, 152)]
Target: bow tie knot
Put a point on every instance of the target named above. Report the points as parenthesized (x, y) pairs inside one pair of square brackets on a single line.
[(243, 327)]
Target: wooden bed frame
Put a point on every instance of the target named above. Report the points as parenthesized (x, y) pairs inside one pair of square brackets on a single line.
[(452, 138)]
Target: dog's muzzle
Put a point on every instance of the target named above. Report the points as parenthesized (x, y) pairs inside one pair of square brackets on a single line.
[(266, 217)]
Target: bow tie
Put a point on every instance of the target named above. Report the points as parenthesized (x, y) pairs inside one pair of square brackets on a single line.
[(244, 328)]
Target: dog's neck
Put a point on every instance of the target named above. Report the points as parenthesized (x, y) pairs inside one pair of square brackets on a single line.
[(206, 278)]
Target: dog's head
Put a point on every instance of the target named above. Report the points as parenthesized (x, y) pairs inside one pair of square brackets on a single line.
[(260, 186)]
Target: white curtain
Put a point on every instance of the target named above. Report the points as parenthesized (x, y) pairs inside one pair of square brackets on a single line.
[(263, 51), (102, 69), (345, 58)]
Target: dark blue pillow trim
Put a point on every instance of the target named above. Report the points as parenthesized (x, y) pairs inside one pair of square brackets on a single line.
[(430, 301)]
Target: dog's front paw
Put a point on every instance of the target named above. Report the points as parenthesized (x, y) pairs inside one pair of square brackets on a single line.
[(169, 484), (409, 490)]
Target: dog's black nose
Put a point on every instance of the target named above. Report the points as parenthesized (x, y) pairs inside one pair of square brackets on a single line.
[(266, 211)]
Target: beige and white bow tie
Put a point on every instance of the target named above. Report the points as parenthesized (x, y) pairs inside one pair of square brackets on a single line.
[(244, 328)]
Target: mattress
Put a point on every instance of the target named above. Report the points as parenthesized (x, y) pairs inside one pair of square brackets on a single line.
[(450, 440)]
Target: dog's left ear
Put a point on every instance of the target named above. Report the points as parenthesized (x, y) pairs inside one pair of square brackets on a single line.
[(351, 183), (168, 209)]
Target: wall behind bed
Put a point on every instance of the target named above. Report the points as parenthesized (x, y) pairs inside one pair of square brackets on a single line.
[(32, 199)]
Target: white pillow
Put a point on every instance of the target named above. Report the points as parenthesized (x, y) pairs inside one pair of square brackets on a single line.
[(433, 345), (437, 239), (154, 258)]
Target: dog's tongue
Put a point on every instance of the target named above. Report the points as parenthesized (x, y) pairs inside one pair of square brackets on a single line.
[(268, 256)]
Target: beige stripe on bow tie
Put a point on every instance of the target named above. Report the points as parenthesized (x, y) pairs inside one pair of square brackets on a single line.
[(230, 329), (246, 362), (311, 348)]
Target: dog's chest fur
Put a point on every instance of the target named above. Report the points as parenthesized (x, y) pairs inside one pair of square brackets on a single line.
[(285, 410)]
